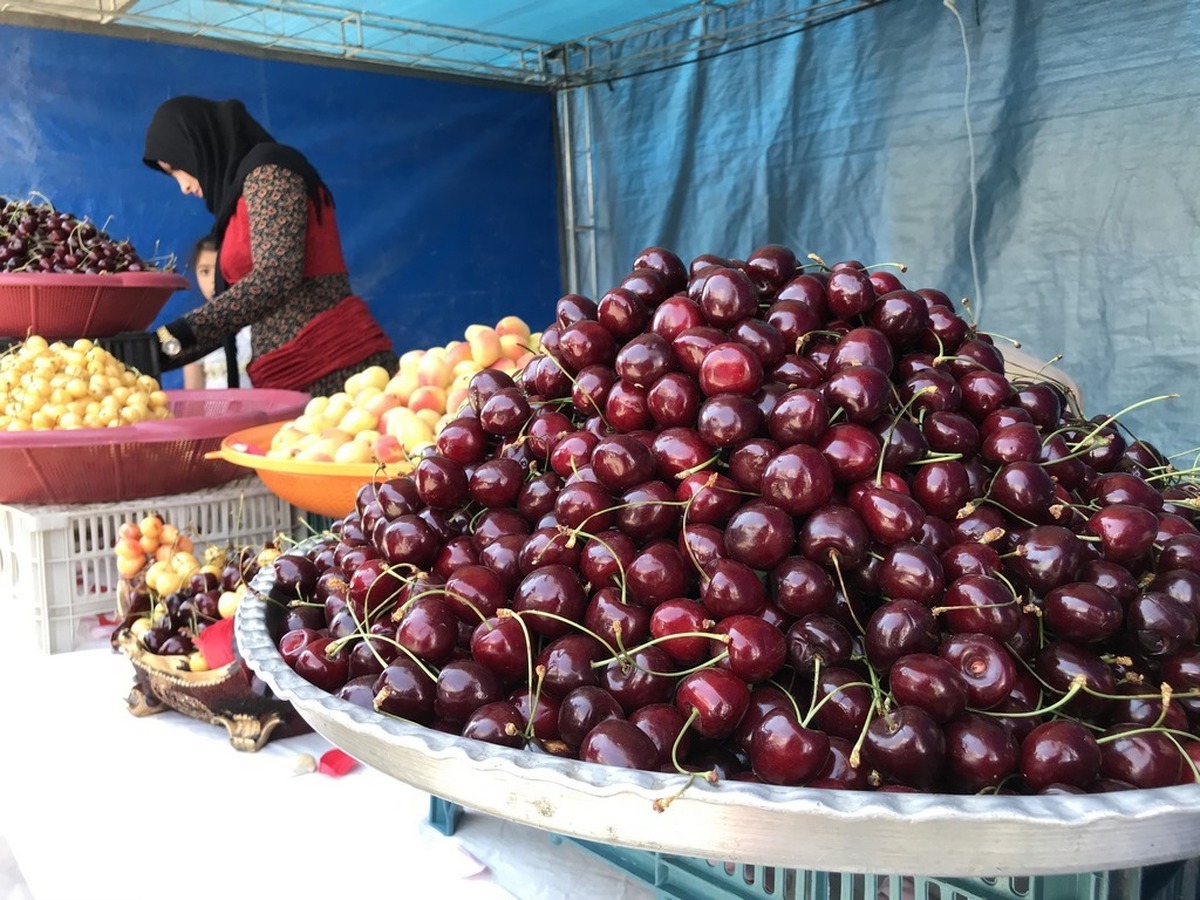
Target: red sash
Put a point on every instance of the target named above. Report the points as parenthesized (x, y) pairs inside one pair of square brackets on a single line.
[(335, 339)]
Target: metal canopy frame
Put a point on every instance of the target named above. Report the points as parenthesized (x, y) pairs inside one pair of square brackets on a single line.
[(687, 34)]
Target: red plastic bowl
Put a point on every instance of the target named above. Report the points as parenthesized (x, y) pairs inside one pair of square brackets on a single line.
[(61, 306), (149, 459)]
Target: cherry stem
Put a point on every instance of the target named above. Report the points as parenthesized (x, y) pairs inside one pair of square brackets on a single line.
[(420, 663), (833, 558), (699, 467), (661, 804), (936, 458), (505, 613), (1148, 729), (1187, 757), (1113, 418), (788, 694), (1077, 685), (938, 610), (856, 751), (574, 383), (577, 532), (887, 438)]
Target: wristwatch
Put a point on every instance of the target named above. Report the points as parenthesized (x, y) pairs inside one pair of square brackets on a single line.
[(169, 343)]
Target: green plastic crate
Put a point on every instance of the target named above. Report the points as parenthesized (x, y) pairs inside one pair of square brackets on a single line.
[(688, 878)]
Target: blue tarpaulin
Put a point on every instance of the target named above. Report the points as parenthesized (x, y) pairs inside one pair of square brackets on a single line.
[(445, 192), (849, 140)]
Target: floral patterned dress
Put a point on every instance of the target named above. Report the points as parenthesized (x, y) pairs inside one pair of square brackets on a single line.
[(274, 295)]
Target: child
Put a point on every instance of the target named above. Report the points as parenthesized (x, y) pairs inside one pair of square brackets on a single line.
[(211, 371)]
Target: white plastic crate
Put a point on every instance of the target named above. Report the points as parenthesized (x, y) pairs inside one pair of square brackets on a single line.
[(57, 565)]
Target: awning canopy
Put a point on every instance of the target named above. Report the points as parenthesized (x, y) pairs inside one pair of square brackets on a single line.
[(553, 44)]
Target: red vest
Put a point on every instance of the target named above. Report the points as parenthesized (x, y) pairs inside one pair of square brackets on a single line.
[(322, 245)]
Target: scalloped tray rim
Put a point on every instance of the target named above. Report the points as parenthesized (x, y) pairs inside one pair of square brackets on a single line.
[(1120, 822)]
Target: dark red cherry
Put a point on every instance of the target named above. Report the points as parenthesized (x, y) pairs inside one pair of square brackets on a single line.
[(714, 700), (639, 680), (674, 400), (644, 359), (862, 393), (549, 595), (730, 368), (1045, 557), (691, 345), (817, 637), (981, 604), (835, 535), (930, 682), (728, 419), (801, 587), (911, 571), (980, 752), (1142, 758), (889, 516), (1082, 612), (756, 649), (1059, 752), (617, 742), (845, 702), (658, 573), (582, 710), (627, 407), (906, 747), (1126, 532), (498, 722), (782, 751), (505, 413), (1024, 489), (1061, 663), (850, 293), (731, 588), (798, 480), (851, 450), (675, 315), (621, 461), (727, 297), (760, 535), (898, 628), (623, 313), (1160, 624), (985, 666), (464, 685), (648, 511)]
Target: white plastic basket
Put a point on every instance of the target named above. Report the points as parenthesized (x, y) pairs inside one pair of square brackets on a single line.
[(57, 565)]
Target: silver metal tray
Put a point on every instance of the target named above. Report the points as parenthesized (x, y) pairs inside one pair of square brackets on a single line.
[(825, 830)]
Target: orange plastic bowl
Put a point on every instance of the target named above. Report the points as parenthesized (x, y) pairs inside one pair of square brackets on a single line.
[(324, 488)]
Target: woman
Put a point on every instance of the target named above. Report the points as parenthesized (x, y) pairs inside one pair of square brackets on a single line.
[(280, 267)]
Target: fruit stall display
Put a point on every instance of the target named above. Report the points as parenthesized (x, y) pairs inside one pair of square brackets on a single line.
[(176, 628), (752, 521), (64, 277), (378, 423)]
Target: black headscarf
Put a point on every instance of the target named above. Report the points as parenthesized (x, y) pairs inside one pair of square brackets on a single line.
[(218, 143)]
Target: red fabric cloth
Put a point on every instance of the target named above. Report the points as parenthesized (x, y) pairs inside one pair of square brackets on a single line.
[(215, 643), (332, 340), (322, 244)]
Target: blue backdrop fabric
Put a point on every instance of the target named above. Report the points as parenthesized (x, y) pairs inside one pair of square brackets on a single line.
[(446, 192), (848, 140)]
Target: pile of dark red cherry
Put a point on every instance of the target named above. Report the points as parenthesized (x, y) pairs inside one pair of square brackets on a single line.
[(778, 523)]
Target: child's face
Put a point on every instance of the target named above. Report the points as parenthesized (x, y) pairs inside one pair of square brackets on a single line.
[(206, 273)]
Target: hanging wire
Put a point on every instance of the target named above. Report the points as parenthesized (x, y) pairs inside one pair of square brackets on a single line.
[(952, 5)]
